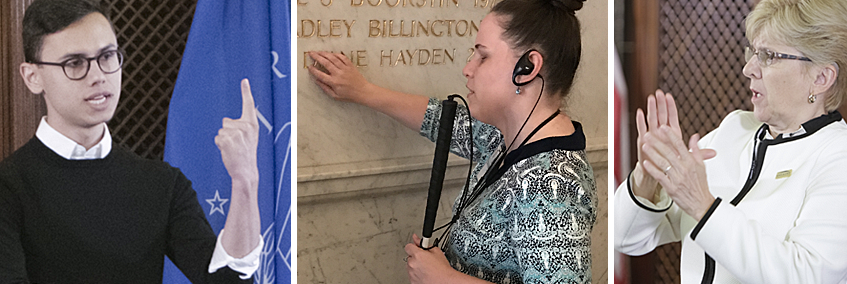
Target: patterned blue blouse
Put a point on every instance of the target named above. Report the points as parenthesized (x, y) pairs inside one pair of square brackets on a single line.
[(533, 224)]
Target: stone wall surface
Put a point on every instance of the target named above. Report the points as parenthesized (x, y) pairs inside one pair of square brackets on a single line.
[(362, 177)]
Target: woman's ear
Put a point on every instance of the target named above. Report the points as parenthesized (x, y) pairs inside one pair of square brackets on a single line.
[(537, 62), (825, 78), (32, 78), (536, 58)]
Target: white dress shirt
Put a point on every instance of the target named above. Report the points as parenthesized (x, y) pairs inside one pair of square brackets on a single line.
[(69, 149)]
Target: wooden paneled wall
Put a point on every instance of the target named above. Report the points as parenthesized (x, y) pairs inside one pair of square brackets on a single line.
[(20, 110)]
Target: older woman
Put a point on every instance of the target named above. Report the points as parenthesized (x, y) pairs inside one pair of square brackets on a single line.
[(767, 202), (529, 209)]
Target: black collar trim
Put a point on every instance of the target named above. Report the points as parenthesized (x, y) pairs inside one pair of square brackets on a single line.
[(573, 142), (810, 126)]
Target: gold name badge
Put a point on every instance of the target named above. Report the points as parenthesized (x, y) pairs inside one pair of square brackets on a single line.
[(783, 174)]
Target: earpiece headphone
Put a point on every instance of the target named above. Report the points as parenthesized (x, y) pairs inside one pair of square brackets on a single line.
[(523, 67)]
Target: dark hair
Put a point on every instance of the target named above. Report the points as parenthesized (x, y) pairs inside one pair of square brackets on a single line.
[(551, 27), (44, 17)]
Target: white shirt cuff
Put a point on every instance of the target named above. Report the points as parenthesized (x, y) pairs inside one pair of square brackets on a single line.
[(664, 201), (246, 265)]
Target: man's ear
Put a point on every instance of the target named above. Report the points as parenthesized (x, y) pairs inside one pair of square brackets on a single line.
[(32, 78)]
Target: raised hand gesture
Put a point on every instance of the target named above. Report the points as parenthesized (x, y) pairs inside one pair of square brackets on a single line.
[(238, 139), (661, 110)]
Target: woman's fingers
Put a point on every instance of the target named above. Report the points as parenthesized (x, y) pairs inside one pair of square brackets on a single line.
[(412, 248), (323, 81), (695, 150), (673, 114), (658, 174), (339, 79), (675, 142), (661, 108), (652, 119), (319, 75), (325, 59), (335, 59), (327, 89), (640, 123), (707, 153), (658, 152), (333, 62), (341, 60)]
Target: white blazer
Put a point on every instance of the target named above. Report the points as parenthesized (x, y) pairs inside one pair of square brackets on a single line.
[(790, 227)]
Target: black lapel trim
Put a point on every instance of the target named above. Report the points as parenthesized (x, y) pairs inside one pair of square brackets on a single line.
[(810, 126), (761, 146), (573, 142), (709, 274)]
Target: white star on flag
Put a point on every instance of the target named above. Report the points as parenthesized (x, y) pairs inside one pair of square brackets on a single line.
[(220, 206)]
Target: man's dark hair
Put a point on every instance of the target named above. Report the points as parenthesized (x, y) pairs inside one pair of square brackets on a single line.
[(549, 26), (44, 17)]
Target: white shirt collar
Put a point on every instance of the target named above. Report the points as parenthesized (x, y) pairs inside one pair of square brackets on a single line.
[(69, 149), (798, 132), (787, 135)]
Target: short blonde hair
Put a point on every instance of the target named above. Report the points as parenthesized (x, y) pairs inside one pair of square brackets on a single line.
[(817, 28)]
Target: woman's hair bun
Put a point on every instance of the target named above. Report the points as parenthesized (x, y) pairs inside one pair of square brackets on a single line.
[(570, 5)]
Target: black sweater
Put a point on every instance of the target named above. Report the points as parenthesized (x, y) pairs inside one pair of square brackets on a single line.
[(110, 220)]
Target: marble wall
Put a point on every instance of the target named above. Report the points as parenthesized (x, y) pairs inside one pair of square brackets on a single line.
[(362, 177)]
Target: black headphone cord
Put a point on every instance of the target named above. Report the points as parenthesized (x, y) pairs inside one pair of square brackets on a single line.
[(487, 178)]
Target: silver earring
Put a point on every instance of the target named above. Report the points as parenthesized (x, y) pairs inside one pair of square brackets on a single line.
[(518, 91), (812, 97)]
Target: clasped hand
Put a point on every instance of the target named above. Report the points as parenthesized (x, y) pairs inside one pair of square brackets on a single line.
[(427, 266), (667, 161)]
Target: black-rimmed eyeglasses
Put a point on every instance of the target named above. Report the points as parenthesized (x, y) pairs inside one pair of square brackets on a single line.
[(767, 57), (77, 67)]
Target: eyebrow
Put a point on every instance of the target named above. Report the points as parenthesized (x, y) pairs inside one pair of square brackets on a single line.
[(480, 46), (73, 55)]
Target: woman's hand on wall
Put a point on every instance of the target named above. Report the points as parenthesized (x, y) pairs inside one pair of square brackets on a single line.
[(339, 78)]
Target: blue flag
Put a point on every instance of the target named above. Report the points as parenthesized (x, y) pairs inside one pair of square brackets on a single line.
[(231, 40)]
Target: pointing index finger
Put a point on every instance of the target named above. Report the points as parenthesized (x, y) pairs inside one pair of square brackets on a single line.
[(248, 106)]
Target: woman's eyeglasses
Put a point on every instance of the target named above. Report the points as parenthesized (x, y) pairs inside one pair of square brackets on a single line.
[(77, 67), (767, 57)]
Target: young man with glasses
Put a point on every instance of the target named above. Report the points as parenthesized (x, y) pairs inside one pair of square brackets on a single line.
[(74, 208)]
